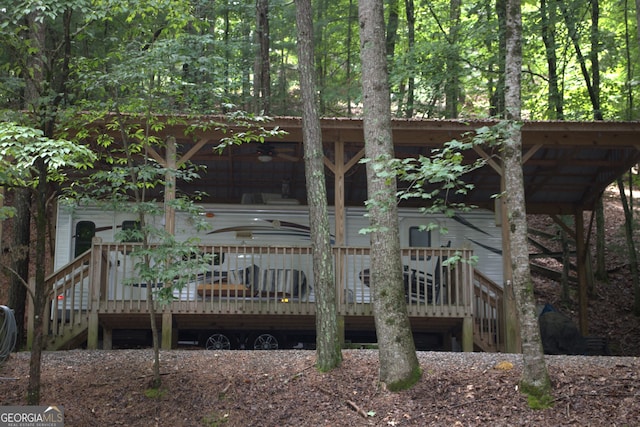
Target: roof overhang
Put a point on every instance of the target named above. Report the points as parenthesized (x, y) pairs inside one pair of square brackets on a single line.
[(566, 165)]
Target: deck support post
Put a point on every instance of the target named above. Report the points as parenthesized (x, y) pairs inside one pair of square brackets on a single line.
[(93, 329), (341, 336), (167, 330), (581, 260), (98, 281), (467, 334), (107, 339)]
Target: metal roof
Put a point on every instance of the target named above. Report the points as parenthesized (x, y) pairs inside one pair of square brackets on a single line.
[(567, 165)]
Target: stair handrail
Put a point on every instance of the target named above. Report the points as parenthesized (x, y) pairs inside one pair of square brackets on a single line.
[(488, 312)]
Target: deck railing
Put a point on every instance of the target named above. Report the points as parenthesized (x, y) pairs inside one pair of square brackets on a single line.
[(242, 279), (488, 313), (69, 303)]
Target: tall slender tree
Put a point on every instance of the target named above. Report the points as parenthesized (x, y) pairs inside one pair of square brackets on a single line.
[(399, 367), (262, 83), (535, 378), (327, 336)]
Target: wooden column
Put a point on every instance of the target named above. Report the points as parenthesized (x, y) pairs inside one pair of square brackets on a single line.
[(467, 334), (338, 200), (581, 258), (170, 228), (94, 294), (170, 187)]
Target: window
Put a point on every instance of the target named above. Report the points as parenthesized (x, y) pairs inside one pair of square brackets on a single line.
[(419, 238), (85, 231)]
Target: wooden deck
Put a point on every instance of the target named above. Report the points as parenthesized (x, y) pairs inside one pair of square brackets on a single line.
[(268, 288)]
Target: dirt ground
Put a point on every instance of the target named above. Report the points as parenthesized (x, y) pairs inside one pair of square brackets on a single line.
[(283, 388)]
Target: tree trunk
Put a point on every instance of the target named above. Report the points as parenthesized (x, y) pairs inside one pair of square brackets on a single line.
[(452, 82), (497, 107), (21, 237), (328, 344), (40, 294), (631, 248), (548, 22), (411, 42), (573, 35), (349, 59), (399, 367), (392, 27), (263, 64), (601, 266), (535, 379)]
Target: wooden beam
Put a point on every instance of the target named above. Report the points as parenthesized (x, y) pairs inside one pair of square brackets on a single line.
[(494, 165), (192, 151), (526, 156)]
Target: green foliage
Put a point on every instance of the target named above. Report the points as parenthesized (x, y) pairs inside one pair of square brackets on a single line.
[(22, 147), (197, 57)]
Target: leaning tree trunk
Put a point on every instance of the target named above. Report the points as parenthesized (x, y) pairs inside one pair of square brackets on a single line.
[(328, 351), (535, 378), (399, 367)]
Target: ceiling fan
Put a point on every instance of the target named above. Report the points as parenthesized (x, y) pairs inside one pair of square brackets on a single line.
[(266, 152)]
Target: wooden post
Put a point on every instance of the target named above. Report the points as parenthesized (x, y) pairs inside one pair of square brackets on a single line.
[(170, 228), (107, 338), (167, 330), (94, 294), (170, 187), (581, 250), (339, 193), (467, 334)]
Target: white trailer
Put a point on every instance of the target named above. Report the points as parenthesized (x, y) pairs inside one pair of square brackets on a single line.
[(282, 222), (278, 223)]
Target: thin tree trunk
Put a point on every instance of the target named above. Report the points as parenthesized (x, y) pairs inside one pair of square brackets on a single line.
[(263, 64), (21, 236), (40, 294), (349, 59), (497, 107), (392, 27), (535, 379), (548, 22), (399, 367), (573, 35), (33, 91), (601, 265), (328, 345), (411, 42), (631, 247), (452, 82)]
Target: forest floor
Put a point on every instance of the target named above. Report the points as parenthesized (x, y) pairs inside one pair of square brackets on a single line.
[(283, 388)]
